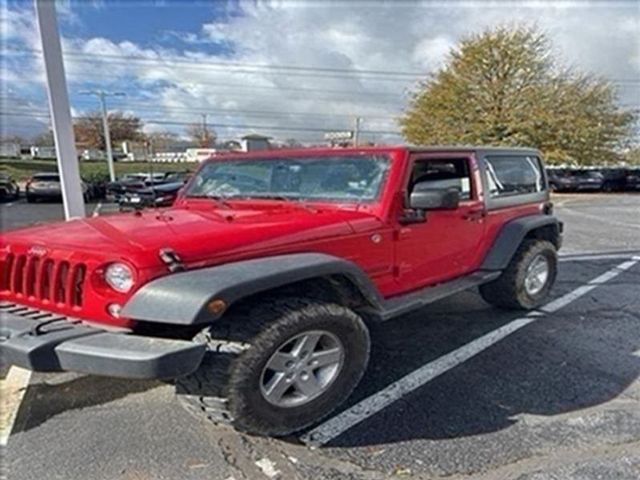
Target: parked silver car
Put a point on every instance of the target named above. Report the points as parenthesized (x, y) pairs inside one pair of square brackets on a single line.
[(46, 186)]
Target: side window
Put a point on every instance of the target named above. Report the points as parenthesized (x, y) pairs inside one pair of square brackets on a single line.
[(443, 174), (514, 175)]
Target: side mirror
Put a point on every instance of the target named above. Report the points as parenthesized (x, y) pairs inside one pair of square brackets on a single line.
[(425, 198)]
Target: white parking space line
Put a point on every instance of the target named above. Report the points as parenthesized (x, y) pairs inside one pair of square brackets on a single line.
[(565, 300), (373, 404), (12, 390), (583, 257)]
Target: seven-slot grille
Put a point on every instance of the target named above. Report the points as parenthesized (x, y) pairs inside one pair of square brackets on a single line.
[(44, 279)]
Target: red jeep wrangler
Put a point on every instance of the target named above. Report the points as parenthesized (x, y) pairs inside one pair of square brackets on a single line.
[(255, 289)]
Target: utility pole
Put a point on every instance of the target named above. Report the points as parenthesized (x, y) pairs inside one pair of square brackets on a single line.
[(356, 131), (66, 155), (205, 134), (102, 95)]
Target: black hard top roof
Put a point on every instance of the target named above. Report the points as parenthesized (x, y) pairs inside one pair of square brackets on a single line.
[(472, 148)]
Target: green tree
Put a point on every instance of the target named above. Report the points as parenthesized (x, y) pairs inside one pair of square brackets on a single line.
[(632, 157), (503, 87)]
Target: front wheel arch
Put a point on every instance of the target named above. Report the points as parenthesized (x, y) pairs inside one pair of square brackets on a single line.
[(226, 387)]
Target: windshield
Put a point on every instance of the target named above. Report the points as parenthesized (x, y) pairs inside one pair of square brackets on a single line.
[(340, 178)]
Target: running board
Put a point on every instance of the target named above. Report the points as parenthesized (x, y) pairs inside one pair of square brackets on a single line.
[(418, 299)]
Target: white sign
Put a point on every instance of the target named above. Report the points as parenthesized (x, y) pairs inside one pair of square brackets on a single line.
[(346, 135)]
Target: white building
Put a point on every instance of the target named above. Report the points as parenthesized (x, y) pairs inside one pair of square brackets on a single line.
[(255, 142), (9, 149)]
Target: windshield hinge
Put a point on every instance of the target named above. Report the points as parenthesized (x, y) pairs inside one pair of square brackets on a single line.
[(171, 260)]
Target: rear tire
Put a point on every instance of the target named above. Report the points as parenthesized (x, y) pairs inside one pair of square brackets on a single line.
[(229, 387), (517, 288)]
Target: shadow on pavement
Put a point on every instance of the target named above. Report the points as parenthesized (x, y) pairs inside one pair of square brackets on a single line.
[(43, 401), (580, 357)]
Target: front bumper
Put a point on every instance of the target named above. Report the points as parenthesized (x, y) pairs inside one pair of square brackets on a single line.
[(46, 342)]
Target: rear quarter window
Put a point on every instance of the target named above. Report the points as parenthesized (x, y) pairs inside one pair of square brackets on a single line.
[(509, 175)]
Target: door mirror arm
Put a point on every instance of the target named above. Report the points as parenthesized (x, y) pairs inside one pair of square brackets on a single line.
[(413, 215)]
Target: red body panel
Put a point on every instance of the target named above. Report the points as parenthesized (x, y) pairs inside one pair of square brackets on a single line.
[(398, 258)]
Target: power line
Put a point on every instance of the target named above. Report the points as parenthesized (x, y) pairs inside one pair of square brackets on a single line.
[(284, 89), (123, 60), (162, 109), (217, 125), (255, 68), (198, 64), (279, 91)]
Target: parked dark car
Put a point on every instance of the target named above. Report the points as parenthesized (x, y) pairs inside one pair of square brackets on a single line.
[(157, 196), (575, 180), (47, 186), (171, 177), (614, 178), (588, 180), (561, 180), (97, 189), (134, 182), (632, 181), (129, 183), (9, 189)]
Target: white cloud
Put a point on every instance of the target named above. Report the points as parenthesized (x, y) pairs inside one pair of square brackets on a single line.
[(394, 37), (431, 53)]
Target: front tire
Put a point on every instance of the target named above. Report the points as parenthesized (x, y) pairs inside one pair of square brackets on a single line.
[(259, 373), (527, 280)]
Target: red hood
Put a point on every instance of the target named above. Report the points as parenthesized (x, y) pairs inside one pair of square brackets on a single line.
[(199, 234)]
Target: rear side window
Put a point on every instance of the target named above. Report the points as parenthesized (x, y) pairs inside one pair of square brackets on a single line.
[(514, 175)]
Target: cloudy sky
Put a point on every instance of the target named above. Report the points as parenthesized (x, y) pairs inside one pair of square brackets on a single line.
[(288, 69)]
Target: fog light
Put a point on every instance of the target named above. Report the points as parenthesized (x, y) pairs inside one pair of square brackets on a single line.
[(114, 310)]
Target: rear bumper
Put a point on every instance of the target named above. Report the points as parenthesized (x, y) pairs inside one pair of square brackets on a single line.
[(45, 342), (44, 193)]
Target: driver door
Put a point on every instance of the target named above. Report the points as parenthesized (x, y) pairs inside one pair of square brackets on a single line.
[(447, 243)]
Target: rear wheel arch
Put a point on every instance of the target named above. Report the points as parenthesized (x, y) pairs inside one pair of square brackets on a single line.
[(550, 233), (517, 231), (510, 290)]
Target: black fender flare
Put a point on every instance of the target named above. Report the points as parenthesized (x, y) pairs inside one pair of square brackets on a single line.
[(511, 236), (182, 298)]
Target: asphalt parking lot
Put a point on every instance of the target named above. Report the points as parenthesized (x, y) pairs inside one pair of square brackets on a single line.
[(458, 390)]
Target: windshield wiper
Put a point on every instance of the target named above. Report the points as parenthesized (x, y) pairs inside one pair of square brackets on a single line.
[(273, 197), (217, 198)]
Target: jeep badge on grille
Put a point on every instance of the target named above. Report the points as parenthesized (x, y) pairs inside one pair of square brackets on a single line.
[(37, 251)]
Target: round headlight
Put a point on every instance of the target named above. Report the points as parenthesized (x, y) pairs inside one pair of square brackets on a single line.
[(119, 277)]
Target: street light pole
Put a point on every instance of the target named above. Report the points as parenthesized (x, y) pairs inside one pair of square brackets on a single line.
[(102, 95), (66, 155), (356, 131), (204, 130)]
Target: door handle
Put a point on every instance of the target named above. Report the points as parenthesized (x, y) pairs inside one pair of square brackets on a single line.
[(475, 214)]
